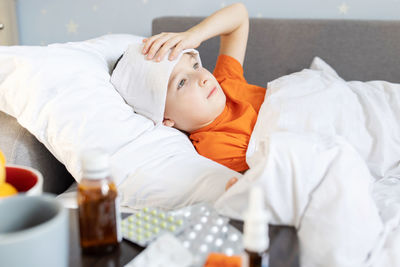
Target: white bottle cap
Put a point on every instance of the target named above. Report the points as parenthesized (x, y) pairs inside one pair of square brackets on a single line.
[(255, 232), (95, 164)]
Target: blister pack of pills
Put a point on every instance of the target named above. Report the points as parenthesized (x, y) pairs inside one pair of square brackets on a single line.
[(206, 231), (146, 225), (199, 227)]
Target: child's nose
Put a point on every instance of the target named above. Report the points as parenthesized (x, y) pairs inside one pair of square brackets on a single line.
[(203, 80)]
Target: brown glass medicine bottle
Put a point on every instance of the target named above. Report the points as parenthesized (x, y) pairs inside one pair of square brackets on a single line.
[(98, 205)]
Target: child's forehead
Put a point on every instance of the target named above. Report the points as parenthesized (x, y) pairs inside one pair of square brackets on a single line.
[(185, 61), (182, 65)]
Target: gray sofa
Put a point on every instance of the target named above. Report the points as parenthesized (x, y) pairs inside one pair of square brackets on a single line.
[(357, 50)]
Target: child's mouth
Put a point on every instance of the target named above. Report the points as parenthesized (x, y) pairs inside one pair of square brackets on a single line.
[(212, 92)]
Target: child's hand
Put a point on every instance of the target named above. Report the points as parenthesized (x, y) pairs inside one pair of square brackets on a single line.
[(157, 46), (231, 182)]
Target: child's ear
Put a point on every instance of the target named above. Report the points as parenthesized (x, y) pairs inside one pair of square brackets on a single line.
[(168, 123)]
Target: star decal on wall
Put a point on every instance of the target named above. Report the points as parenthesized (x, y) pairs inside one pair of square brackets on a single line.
[(343, 8), (72, 27)]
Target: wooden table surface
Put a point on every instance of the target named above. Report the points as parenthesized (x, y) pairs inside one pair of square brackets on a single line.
[(283, 250)]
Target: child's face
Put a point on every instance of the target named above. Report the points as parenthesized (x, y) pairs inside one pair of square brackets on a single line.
[(194, 97)]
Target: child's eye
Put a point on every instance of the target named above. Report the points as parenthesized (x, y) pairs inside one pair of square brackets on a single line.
[(181, 83), (196, 65)]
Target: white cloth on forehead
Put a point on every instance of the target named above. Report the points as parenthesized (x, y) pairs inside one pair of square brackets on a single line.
[(143, 83)]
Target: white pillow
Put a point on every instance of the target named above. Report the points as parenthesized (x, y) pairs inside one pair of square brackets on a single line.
[(62, 94)]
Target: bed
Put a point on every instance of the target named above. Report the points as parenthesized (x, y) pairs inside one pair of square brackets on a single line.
[(356, 50)]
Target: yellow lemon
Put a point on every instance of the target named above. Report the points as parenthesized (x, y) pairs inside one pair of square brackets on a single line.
[(7, 190), (2, 168)]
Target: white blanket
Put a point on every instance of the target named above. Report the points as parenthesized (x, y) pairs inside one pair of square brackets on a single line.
[(327, 152)]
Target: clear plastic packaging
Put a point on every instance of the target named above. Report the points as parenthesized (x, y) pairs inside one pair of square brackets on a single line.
[(199, 227)]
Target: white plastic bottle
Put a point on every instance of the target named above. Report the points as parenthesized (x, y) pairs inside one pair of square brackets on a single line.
[(255, 232), (98, 205)]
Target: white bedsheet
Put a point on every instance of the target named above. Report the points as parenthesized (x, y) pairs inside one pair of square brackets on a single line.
[(327, 152)]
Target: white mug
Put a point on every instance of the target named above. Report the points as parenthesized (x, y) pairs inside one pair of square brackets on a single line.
[(25, 179)]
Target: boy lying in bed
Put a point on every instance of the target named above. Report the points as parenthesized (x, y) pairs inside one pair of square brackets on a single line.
[(315, 182), (217, 110)]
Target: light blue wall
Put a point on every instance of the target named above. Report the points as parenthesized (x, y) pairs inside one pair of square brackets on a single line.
[(47, 21)]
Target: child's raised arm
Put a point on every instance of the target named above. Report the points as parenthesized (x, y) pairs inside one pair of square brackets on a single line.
[(230, 23)]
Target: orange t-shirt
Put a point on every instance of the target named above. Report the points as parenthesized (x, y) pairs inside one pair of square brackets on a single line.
[(225, 140)]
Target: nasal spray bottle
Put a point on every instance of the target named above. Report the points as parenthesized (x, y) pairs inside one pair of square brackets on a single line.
[(255, 233)]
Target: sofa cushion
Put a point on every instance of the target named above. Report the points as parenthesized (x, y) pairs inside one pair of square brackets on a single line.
[(20, 147)]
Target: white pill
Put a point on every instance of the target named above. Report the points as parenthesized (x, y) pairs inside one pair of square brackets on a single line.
[(198, 227), (228, 251), (220, 221), (204, 219), (233, 237), (203, 248), (218, 242), (214, 229), (192, 235), (209, 238)]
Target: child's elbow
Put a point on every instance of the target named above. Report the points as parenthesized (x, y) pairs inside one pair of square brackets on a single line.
[(243, 10)]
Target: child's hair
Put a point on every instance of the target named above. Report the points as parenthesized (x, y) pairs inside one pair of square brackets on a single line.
[(116, 63)]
